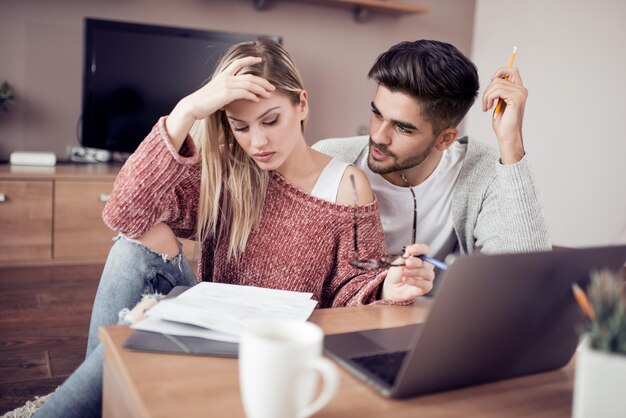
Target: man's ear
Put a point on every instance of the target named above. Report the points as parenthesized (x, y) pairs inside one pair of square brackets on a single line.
[(303, 106), (446, 138)]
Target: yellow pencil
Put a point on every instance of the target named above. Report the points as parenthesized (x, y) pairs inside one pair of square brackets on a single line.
[(583, 302), (511, 60)]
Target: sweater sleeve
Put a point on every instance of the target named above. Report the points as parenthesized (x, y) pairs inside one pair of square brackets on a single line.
[(350, 286), (511, 218), (156, 184)]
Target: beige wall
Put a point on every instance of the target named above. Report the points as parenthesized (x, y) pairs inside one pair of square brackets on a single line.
[(571, 57), (41, 47)]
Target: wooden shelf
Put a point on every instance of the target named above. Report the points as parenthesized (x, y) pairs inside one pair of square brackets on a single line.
[(362, 8), (389, 6)]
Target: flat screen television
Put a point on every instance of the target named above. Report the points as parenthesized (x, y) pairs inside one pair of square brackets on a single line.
[(135, 73)]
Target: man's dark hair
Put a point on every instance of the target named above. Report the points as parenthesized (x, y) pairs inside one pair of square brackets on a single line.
[(439, 76)]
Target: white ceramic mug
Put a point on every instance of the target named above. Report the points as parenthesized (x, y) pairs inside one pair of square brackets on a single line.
[(279, 362)]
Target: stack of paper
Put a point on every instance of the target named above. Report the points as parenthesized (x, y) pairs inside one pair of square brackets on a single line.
[(220, 311)]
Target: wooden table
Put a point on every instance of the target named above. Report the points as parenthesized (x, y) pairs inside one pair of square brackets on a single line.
[(165, 385)]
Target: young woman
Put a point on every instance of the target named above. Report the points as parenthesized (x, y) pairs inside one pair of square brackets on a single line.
[(266, 208)]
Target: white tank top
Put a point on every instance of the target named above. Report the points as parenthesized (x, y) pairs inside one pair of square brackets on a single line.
[(327, 184)]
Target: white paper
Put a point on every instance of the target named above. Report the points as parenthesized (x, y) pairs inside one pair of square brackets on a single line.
[(182, 330), (228, 308)]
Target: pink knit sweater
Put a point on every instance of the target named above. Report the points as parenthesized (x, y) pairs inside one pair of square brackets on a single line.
[(301, 243)]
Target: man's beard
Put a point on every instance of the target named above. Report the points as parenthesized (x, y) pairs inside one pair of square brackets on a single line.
[(396, 164)]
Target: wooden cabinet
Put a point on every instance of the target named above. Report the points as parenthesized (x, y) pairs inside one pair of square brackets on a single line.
[(54, 214), (25, 220), (78, 228)]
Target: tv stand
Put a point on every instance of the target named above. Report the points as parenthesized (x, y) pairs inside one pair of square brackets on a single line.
[(53, 215)]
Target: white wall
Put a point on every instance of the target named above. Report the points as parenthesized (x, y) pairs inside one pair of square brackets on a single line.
[(571, 55)]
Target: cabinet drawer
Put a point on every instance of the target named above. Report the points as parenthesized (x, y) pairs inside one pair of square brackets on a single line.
[(79, 232), (25, 220)]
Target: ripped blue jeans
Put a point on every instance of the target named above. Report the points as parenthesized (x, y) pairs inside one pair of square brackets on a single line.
[(133, 270)]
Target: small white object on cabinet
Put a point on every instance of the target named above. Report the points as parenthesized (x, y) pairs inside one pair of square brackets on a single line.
[(47, 159)]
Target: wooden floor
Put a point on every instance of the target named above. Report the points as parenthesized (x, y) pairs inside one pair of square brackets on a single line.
[(44, 320)]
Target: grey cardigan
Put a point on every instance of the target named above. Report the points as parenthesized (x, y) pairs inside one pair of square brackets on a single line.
[(495, 208)]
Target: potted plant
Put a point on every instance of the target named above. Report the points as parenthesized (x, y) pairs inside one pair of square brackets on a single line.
[(600, 379), (6, 96)]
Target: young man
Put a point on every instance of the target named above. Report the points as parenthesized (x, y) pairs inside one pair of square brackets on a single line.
[(468, 196)]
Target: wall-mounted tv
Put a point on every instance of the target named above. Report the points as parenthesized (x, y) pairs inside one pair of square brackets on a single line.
[(134, 73)]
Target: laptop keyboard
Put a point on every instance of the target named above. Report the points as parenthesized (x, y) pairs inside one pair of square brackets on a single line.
[(386, 366)]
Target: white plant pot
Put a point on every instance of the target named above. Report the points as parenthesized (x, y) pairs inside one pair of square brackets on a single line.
[(599, 384)]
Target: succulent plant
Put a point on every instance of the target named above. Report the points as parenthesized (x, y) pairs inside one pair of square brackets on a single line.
[(608, 327), (6, 95)]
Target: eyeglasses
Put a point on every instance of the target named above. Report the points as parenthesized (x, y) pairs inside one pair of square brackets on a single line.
[(385, 261)]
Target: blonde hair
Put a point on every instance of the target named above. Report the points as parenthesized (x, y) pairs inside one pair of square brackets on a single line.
[(233, 187)]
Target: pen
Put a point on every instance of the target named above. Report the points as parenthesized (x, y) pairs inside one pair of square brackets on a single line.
[(583, 302), (511, 60), (439, 264)]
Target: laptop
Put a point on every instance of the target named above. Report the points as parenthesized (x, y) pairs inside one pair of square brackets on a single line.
[(494, 317)]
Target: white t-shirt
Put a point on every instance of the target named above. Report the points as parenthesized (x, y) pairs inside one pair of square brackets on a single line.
[(434, 205)]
